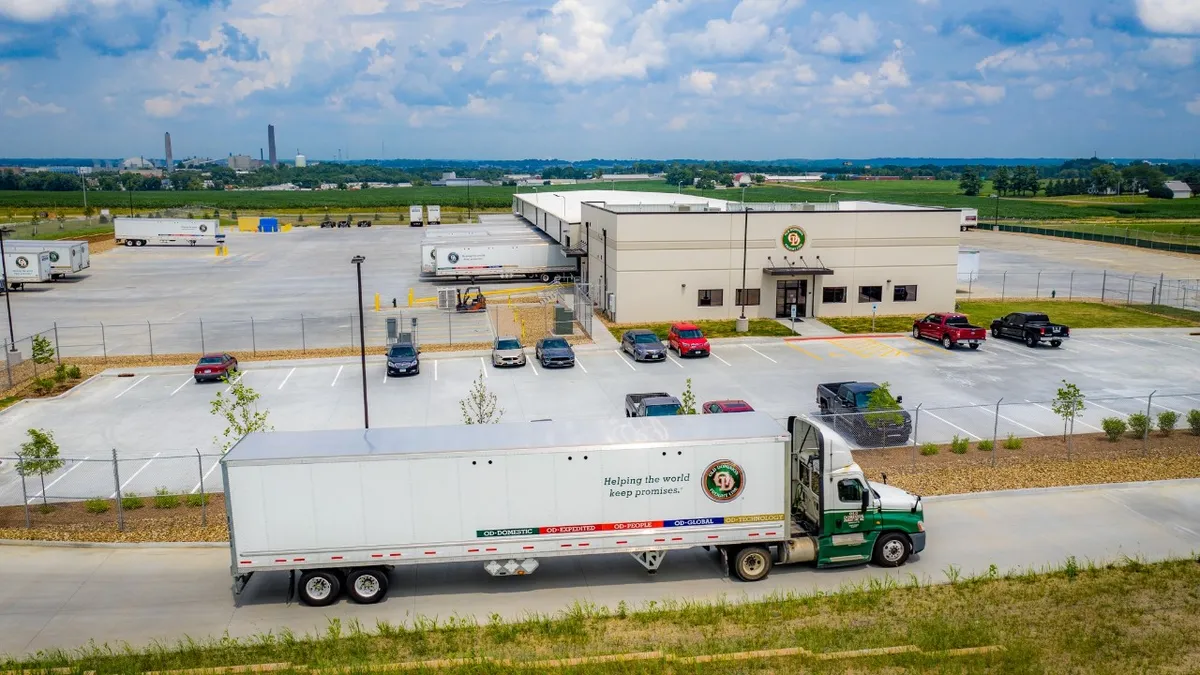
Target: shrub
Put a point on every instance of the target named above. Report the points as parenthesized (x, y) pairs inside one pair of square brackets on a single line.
[(959, 446), (131, 502), (1013, 442), (43, 385), (1167, 420), (985, 445), (73, 372), (103, 220), (60, 373), (196, 499), (1114, 427), (928, 449), (1193, 420), (1140, 424), (97, 505), (164, 499)]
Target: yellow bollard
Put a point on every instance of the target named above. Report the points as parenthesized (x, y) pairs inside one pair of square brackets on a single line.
[(410, 297), (376, 302), (218, 251)]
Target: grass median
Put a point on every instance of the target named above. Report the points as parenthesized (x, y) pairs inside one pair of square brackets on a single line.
[(1116, 618), (1071, 313), (720, 328)]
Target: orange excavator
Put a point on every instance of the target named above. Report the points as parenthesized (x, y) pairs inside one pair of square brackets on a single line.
[(470, 300)]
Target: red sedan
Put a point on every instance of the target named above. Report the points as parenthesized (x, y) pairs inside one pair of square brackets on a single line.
[(215, 367), (687, 340), (731, 406)]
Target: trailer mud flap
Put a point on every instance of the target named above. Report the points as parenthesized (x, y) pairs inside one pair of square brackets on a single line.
[(239, 585), (291, 586)]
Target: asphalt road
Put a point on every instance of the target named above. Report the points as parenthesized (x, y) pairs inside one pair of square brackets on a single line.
[(64, 597), (158, 419)]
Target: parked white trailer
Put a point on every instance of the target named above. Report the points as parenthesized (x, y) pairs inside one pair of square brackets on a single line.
[(167, 231), (415, 217), (968, 219), (496, 259), (441, 237), (435, 214), (343, 507), (26, 267), (66, 257)]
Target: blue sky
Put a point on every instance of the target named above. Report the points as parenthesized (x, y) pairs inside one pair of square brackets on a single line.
[(721, 79)]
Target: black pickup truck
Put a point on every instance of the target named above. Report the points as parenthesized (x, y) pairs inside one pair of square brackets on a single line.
[(1032, 328), (846, 407), (655, 404)]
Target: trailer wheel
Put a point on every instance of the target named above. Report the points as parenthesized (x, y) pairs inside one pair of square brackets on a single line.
[(891, 550), (319, 588), (129, 242), (367, 587), (545, 278), (752, 563)]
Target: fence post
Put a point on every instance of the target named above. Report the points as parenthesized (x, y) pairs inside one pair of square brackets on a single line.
[(996, 431), (1129, 293), (150, 333), (1037, 290), (57, 349), (1071, 287), (1162, 278), (117, 484), (1103, 285), (253, 338), (1003, 284), (202, 350), (8, 361), (1071, 434), (970, 283), (917, 425), (25, 500), (303, 340), (103, 342), (351, 322), (450, 326), (203, 497), (1146, 431)]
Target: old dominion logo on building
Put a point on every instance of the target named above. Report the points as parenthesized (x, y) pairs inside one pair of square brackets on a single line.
[(723, 480), (793, 239)]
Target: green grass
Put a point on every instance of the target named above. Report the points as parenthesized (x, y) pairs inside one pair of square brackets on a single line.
[(1070, 313), (722, 328), (1114, 619)]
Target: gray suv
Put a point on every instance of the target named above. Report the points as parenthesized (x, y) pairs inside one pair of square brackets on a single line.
[(643, 345)]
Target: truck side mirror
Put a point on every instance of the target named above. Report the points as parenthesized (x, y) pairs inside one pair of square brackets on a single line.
[(899, 399), (866, 499)]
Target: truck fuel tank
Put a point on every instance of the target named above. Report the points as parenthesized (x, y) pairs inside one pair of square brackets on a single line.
[(801, 549)]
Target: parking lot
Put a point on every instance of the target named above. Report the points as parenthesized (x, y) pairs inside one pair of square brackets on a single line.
[(159, 418)]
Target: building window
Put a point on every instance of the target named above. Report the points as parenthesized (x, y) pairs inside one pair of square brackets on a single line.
[(752, 296), (870, 293), (905, 293), (834, 294), (711, 298)]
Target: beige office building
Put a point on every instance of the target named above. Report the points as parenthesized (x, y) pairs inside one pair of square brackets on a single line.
[(661, 256)]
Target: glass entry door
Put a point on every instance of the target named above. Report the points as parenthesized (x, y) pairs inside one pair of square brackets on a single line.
[(791, 292)]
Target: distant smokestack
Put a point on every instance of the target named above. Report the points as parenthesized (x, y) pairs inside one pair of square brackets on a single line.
[(271, 144), (167, 141)]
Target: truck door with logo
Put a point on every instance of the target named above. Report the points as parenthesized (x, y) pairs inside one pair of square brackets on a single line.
[(850, 518)]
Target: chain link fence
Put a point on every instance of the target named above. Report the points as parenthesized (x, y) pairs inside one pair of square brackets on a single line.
[(1105, 286)]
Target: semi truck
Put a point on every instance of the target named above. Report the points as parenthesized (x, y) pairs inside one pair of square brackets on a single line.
[(968, 219), (341, 508), (26, 267), (167, 231), (415, 216), (495, 259), (435, 214), (66, 257)]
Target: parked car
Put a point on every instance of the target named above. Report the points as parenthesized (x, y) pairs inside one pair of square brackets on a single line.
[(214, 367), (554, 352), (730, 406), (507, 351), (687, 340), (643, 345), (656, 404), (949, 328), (848, 404), (1031, 328), (403, 359)]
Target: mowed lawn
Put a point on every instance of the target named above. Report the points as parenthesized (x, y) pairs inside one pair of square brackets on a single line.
[(1073, 314), (722, 328)]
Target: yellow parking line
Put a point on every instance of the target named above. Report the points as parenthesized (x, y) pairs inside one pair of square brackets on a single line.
[(838, 343), (802, 350)]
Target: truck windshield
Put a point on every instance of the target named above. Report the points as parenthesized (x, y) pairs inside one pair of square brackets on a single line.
[(957, 321), (862, 399), (691, 334), (402, 352), (554, 344), (662, 410), (645, 338)]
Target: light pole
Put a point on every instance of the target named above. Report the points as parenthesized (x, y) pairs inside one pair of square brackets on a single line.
[(357, 261), (468, 199), (743, 195), (83, 177), (830, 200), (742, 323), (12, 340), (996, 219)]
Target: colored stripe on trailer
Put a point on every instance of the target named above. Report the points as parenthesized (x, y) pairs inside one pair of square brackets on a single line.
[(627, 526)]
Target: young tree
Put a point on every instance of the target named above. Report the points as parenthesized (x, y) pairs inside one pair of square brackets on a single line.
[(598, 173), (883, 409), (479, 407), (1002, 180), (1068, 404), (1105, 178), (42, 351), (39, 456), (970, 184), (758, 178), (239, 409), (688, 400)]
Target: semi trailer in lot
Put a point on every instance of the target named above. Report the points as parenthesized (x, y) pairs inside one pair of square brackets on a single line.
[(534, 258), (26, 267), (435, 214), (416, 217), (341, 508), (968, 219), (167, 231), (442, 238), (66, 257)]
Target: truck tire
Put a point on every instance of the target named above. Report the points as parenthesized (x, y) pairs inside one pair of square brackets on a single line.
[(891, 550), (1031, 340), (995, 332), (1056, 343), (545, 278), (367, 587), (974, 345), (947, 342), (916, 333), (752, 563), (319, 588), (129, 242)]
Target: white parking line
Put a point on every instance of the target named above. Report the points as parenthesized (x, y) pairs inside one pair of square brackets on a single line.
[(76, 466), (953, 425), (385, 376), (1169, 344), (1051, 411), (1123, 342), (286, 377), (435, 370), (533, 368), (1092, 345), (761, 354), (337, 375), (1192, 398), (206, 473), (135, 475), (580, 364), (621, 356), (483, 366), (1122, 414), (674, 361), (237, 379), (1165, 408), (185, 383), (719, 358), (130, 388), (1008, 349), (991, 412)]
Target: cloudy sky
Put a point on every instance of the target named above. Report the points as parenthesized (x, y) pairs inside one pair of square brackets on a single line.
[(752, 79)]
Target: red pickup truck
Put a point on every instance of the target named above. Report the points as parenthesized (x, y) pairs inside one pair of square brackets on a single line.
[(949, 328)]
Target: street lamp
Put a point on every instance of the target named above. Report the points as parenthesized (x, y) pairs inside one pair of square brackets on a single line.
[(745, 238), (996, 220), (357, 261), (831, 196), (12, 340)]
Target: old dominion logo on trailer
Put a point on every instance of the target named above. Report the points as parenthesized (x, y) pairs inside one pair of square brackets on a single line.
[(723, 480)]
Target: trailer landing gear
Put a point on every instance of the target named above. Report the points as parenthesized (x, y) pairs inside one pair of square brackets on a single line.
[(511, 567), (651, 560)]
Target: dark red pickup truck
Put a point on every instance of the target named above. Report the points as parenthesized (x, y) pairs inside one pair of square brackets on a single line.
[(950, 329)]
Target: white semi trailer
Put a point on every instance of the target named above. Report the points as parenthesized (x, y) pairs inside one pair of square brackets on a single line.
[(968, 219), (441, 237), (343, 507), (167, 231), (415, 216), (26, 267), (497, 259), (435, 214), (66, 257)]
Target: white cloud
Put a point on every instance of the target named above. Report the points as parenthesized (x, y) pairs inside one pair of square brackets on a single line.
[(678, 123), (748, 29), (1171, 52), (805, 74), (1043, 57), (847, 36), (26, 108), (1193, 106), (699, 81), (1044, 91), (885, 109), (761, 10), (163, 106), (33, 11), (892, 73), (1177, 17)]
